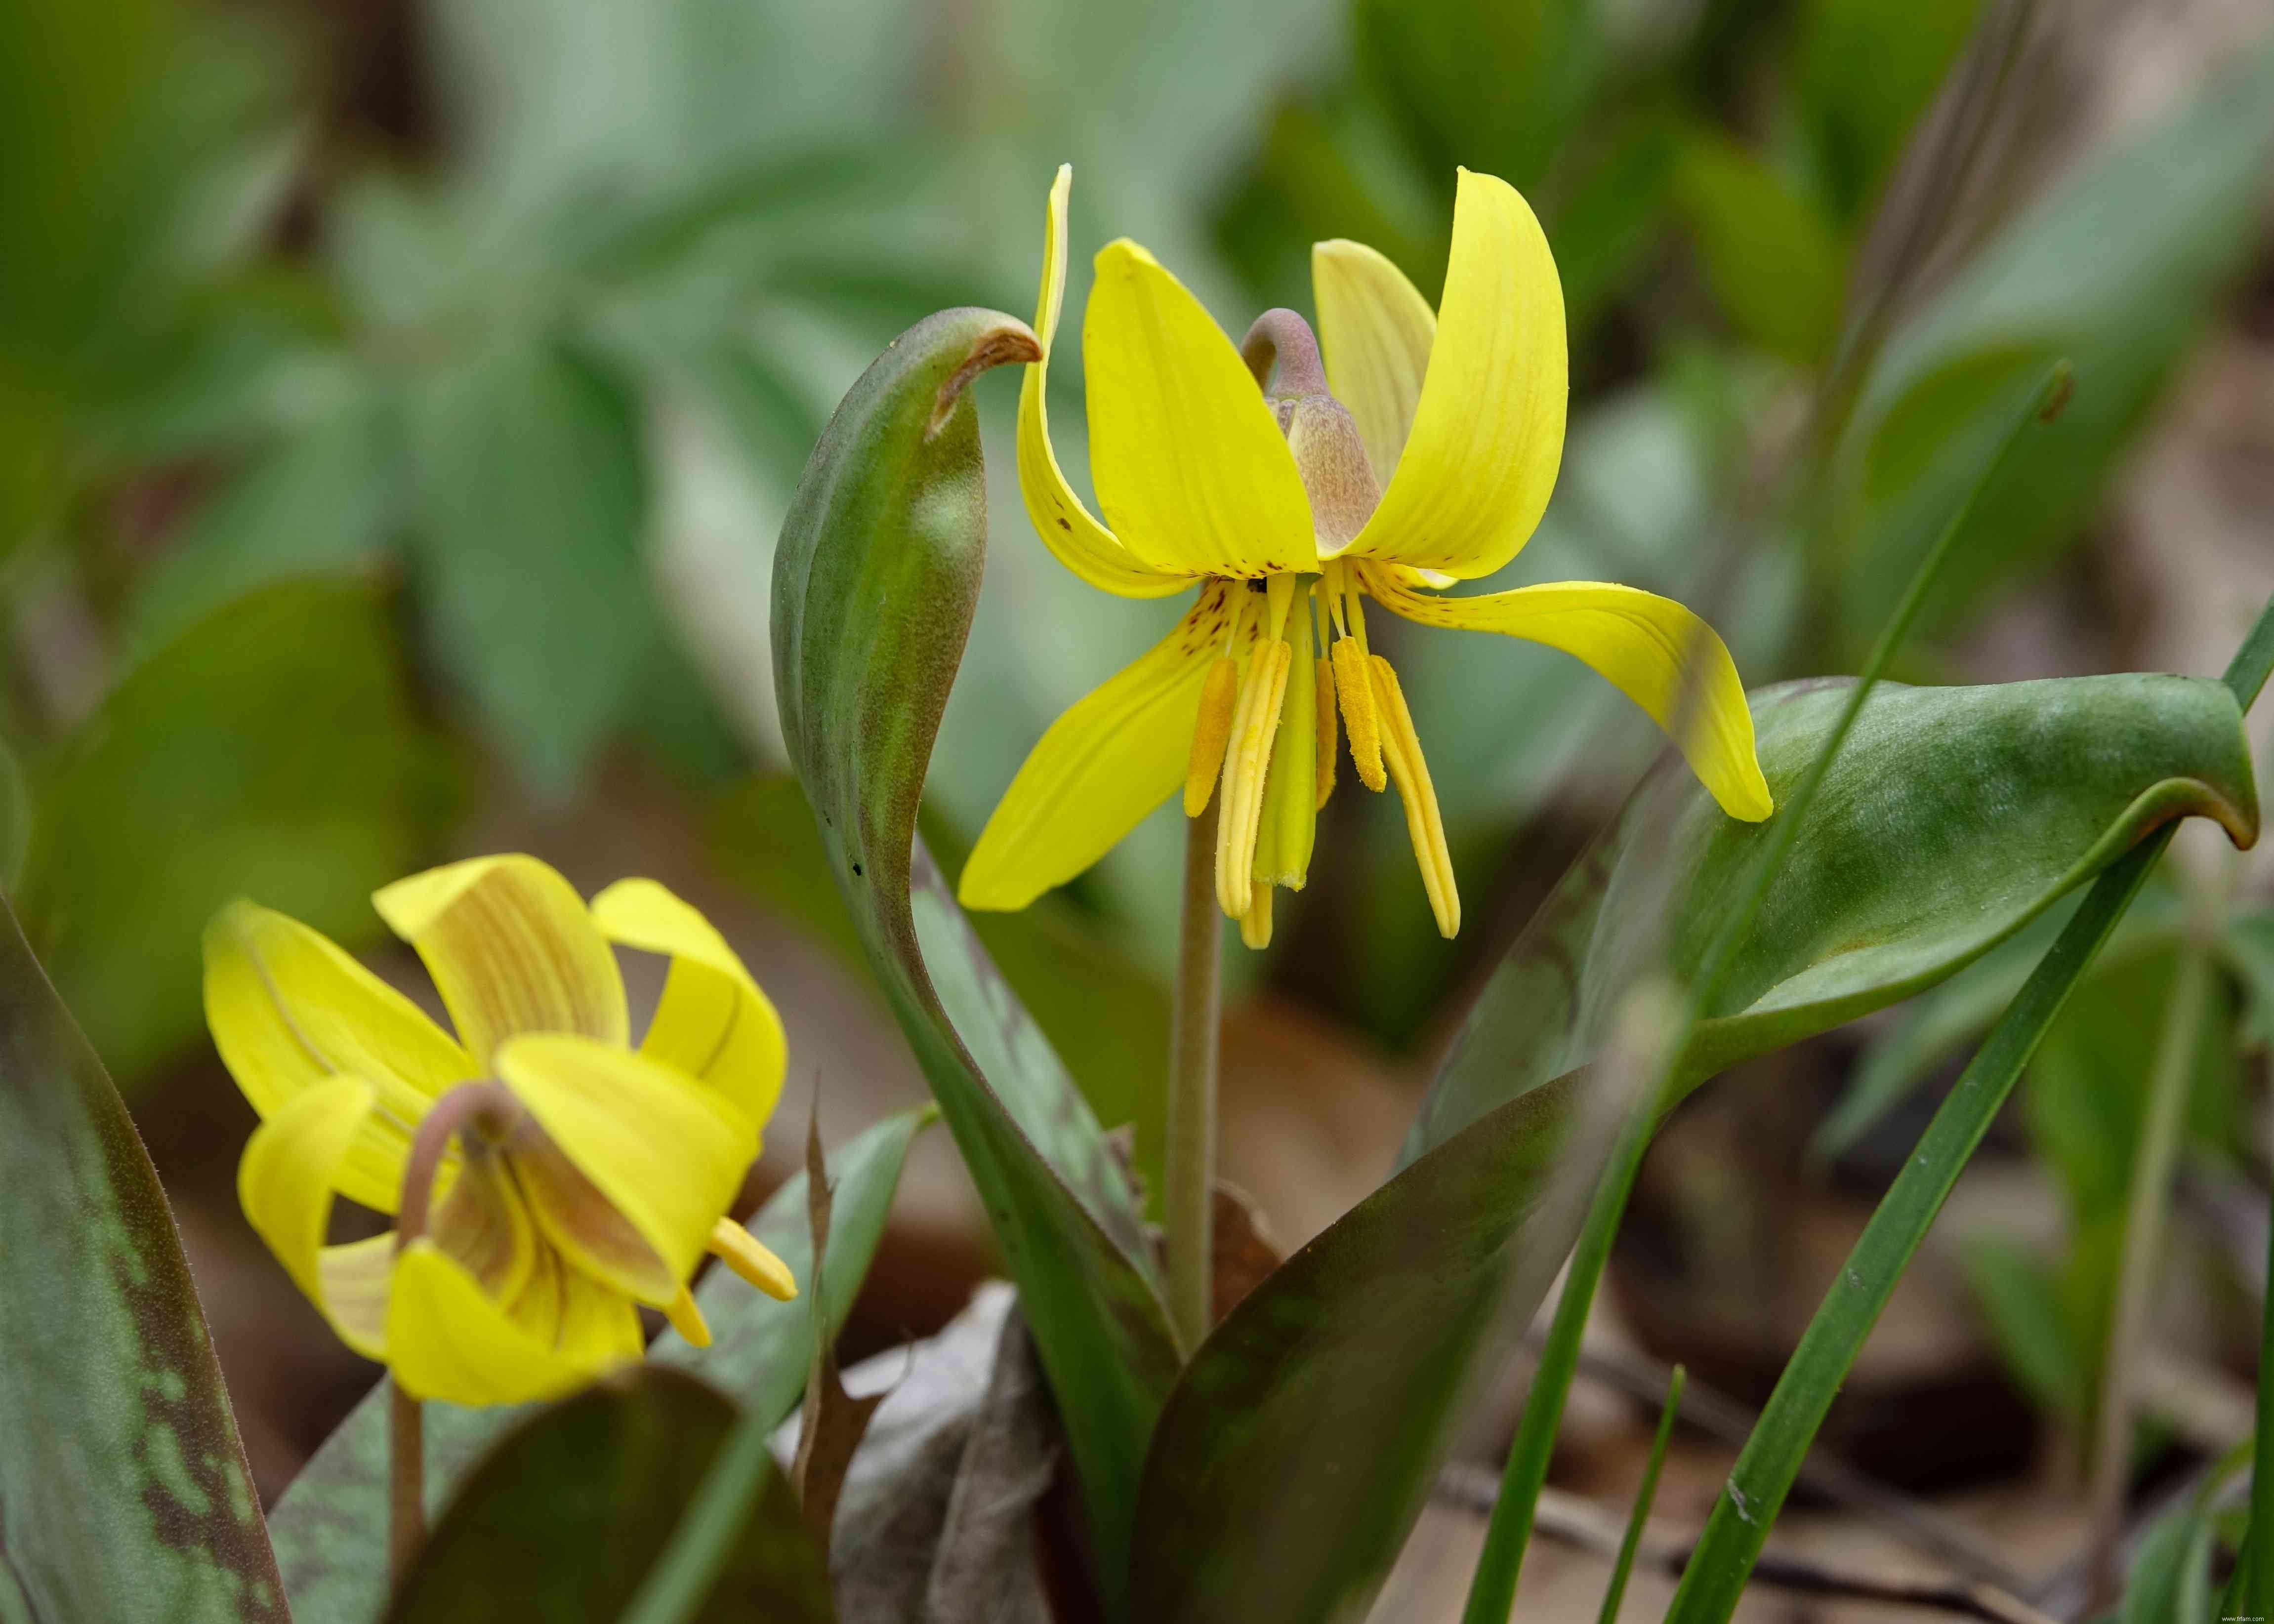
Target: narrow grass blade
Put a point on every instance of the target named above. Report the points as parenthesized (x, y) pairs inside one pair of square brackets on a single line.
[(1639, 1516), (2251, 1591), (1763, 1474), (1492, 1591)]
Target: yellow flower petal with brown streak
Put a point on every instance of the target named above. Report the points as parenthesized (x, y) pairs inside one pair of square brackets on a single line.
[(290, 1011), (1188, 460), (512, 949), (1646, 645), (713, 1023), (1488, 431), (446, 1340), (667, 1158), (1066, 526), (1375, 331), (1111, 759)]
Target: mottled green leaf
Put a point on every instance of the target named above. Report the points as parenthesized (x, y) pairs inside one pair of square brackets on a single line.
[(330, 1527), (875, 583), (271, 750), (560, 1521), (124, 1495), (1302, 1440)]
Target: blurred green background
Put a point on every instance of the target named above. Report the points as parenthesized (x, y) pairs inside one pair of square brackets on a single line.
[(398, 402)]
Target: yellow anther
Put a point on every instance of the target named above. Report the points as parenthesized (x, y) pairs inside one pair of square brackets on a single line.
[(1329, 733), (1356, 692), (1401, 750), (687, 1319), (1255, 924), (1218, 696), (740, 1252)]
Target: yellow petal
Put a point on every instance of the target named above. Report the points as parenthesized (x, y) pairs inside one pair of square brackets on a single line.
[(1375, 331), (1488, 432), (447, 1340), (755, 1261), (355, 1281), (290, 1013), (1189, 462), (284, 1183), (1105, 763), (512, 949), (284, 1178), (713, 1023), (1066, 527), (669, 1158), (1642, 642)]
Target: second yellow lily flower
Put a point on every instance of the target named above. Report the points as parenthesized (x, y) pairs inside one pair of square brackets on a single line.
[(1422, 455)]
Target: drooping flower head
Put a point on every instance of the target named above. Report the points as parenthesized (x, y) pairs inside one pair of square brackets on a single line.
[(1292, 479), (550, 1177)]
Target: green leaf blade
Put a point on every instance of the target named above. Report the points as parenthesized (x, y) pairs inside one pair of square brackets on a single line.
[(1303, 1439), (124, 1495), (875, 583), (561, 1520)]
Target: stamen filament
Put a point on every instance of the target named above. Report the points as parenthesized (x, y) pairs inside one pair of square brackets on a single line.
[(1401, 750)]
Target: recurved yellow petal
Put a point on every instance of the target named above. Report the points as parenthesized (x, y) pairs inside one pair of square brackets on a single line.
[(713, 1022), (1488, 428), (669, 1158), (1118, 754), (284, 1178), (1375, 331), (1190, 465), (446, 1339), (292, 1012), (512, 947), (1066, 526), (1644, 644)]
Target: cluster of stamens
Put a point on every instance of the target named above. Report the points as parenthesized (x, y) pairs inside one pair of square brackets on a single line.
[(1264, 818)]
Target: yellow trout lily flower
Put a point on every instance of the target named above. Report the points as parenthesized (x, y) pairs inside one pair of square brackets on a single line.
[(549, 1177), (1421, 452)]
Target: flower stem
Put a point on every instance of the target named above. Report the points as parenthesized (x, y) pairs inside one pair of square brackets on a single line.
[(1188, 1209), (406, 1481)]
